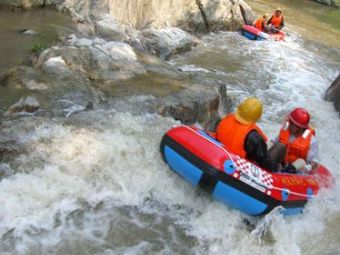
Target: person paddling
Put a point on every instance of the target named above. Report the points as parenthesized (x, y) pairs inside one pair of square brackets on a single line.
[(261, 23), (276, 21), (302, 150), (240, 134)]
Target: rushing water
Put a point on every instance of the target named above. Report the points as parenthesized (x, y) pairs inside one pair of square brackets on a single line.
[(95, 183)]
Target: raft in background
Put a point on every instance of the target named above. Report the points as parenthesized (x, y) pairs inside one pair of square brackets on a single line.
[(203, 161), (253, 33)]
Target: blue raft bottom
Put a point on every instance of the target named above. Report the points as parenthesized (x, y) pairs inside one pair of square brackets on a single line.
[(222, 191)]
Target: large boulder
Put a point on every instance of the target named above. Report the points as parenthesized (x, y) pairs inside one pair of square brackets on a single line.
[(56, 66), (94, 59), (108, 27), (190, 107), (333, 93), (114, 61), (223, 14), (329, 2), (167, 41)]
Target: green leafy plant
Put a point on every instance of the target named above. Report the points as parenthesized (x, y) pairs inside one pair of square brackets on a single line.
[(38, 47)]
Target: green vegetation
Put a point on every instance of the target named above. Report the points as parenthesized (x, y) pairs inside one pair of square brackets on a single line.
[(38, 47)]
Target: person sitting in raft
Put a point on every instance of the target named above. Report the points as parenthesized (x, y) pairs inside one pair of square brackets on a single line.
[(240, 134), (276, 21), (261, 23), (302, 150)]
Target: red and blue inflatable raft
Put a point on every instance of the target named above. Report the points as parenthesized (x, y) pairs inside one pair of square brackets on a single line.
[(253, 33), (203, 161)]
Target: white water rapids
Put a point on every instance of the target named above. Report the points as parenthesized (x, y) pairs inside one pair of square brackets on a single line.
[(95, 183)]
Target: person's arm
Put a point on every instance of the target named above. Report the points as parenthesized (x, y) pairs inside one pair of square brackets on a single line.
[(256, 151), (270, 20), (313, 153), (282, 24)]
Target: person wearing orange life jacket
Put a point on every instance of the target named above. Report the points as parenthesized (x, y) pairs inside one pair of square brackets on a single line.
[(276, 21), (299, 138), (261, 23), (240, 134)]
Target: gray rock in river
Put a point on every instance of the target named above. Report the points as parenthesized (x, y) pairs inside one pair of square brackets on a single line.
[(328, 2), (333, 93), (110, 28), (167, 41), (107, 61), (25, 105)]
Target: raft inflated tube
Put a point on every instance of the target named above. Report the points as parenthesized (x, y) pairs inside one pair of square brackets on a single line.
[(206, 163)]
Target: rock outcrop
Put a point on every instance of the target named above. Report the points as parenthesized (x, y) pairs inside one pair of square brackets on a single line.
[(333, 93), (194, 15), (82, 73)]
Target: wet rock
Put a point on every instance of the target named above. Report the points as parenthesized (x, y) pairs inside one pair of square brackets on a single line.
[(247, 13), (107, 61), (333, 93), (5, 169), (190, 106), (56, 66), (20, 77), (25, 4), (25, 105), (114, 61), (35, 85), (29, 32), (108, 27), (196, 104), (83, 42), (168, 41), (225, 15), (328, 2)]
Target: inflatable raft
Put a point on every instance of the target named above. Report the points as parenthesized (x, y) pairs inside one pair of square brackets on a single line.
[(203, 161), (253, 33)]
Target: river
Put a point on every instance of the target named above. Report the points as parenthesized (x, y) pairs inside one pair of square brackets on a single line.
[(46, 26), (95, 183)]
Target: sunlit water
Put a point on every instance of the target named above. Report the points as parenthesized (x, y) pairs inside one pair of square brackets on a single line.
[(95, 182)]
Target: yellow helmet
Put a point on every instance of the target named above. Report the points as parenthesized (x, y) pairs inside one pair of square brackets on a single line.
[(249, 111)]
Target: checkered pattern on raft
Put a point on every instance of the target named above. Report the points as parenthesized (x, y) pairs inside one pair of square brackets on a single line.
[(246, 167)]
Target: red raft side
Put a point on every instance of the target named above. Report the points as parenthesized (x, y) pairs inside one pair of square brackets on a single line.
[(252, 29), (279, 36), (281, 187)]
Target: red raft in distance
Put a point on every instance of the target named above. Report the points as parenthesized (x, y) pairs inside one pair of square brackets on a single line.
[(253, 33), (203, 161)]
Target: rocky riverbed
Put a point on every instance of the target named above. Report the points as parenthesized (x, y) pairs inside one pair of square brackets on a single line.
[(80, 168), (111, 49)]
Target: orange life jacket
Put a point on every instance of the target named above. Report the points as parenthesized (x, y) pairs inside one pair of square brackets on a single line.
[(232, 134), (299, 147), (276, 21), (259, 24)]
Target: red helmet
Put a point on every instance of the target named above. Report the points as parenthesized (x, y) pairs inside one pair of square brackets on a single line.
[(300, 117)]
